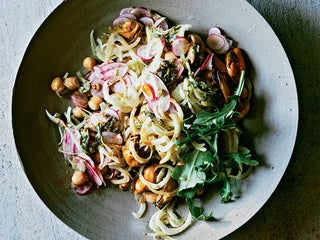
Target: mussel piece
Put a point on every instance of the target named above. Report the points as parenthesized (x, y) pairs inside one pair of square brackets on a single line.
[(224, 86)]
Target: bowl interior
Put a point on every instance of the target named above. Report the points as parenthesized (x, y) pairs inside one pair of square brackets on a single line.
[(59, 46)]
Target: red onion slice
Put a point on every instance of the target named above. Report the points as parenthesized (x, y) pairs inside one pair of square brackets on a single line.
[(71, 142), (106, 72), (88, 160), (95, 174), (129, 80), (120, 68), (118, 87), (207, 61), (79, 99)]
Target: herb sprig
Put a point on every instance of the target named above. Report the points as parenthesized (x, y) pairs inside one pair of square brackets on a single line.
[(202, 168)]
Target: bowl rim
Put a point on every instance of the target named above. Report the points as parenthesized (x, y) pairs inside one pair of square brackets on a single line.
[(34, 185)]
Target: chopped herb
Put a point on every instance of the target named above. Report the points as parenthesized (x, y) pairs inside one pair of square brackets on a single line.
[(168, 72), (85, 84)]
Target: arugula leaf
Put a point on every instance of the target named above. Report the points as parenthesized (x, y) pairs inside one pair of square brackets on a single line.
[(242, 156), (225, 191), (206, 123), (188, 176), (203, 168), (197, 212), (219, 117)]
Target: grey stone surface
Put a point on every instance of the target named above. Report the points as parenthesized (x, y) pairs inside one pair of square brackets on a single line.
[(293, 211)]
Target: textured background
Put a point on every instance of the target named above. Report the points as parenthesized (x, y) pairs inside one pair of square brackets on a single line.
[(292, 212)]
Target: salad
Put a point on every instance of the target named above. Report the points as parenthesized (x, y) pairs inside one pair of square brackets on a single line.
[(156, 113)]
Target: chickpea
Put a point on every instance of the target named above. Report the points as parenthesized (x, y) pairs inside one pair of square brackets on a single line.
[(77, 112), (79, 178), (140, 187), (89, 63), (150, 197), (94, 102), (149, 173), (71, 83), (57, 85)]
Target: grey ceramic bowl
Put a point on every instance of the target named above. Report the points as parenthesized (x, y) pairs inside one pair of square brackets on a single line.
[(59, 46)]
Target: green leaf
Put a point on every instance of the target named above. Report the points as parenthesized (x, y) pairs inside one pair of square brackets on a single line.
[(197, 212), (189, 177), (242, 156), (219, 117), (225, 191)]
